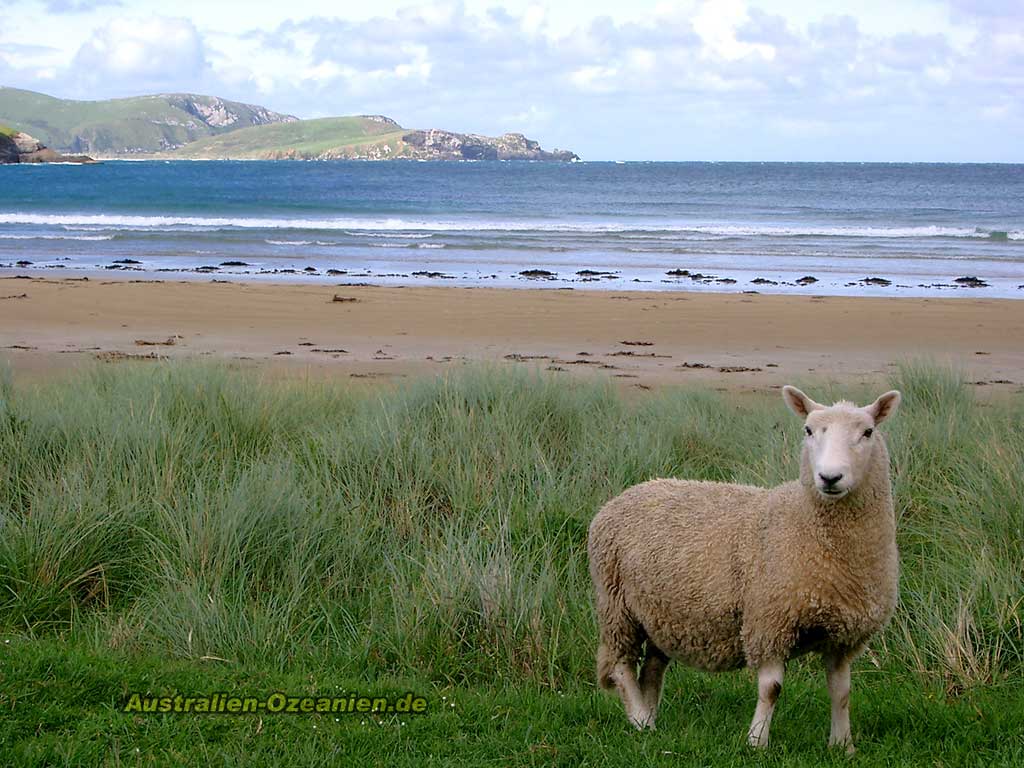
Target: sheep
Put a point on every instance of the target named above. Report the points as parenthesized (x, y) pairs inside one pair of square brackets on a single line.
[(721, 575)]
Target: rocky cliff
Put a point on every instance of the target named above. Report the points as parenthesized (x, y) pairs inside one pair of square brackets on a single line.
[(17, 147), (216, 112), (8, 149), (435, 144)]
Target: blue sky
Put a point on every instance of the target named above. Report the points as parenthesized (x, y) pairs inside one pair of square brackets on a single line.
[(938, 80)]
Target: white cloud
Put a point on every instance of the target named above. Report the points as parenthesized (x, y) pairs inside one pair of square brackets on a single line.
[(76, 6), (531, 116), (642, 59), (703, 73), (996, 111), (146, 51), (594, 78), (534, 19), (325, 71), (716, 23)]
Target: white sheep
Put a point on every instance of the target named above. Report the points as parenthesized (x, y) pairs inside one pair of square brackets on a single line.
[(720, 575)]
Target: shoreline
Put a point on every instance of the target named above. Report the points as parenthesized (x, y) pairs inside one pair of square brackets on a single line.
[(637, 339), (737, 281)]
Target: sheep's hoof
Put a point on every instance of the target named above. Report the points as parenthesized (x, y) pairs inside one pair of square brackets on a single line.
[(845, 744), (643, 723), (758, 741)]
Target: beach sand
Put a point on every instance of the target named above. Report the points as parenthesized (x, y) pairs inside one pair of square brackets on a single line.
[(637, 339)]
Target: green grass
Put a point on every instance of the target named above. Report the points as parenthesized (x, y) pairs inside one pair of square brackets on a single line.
[(62, 706), (195, 529), (112, 126), (6, 130), (302, 139)]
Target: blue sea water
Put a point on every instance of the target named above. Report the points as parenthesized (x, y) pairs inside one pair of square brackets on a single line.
[(762, 225)]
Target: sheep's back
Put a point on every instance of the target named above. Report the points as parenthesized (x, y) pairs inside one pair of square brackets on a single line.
[(674, 550)]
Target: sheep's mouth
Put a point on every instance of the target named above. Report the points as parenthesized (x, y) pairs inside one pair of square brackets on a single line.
[(834, 493)]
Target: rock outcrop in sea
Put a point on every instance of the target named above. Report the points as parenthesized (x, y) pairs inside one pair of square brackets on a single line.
[(21, 148)]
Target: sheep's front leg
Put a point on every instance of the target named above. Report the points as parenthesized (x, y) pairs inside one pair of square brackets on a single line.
[(769, 686), (837, 672)]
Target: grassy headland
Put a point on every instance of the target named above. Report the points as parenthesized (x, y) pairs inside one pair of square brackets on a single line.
[(189, 125), (196, 529), (302, 139)]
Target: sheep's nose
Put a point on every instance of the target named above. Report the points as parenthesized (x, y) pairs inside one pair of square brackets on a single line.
[(830, 480)]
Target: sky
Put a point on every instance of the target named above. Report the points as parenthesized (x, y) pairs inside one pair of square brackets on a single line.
[(865, 80)]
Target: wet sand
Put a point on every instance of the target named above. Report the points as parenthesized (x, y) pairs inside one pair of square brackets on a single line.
[(638, 339)]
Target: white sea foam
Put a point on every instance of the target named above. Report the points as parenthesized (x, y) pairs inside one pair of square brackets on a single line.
[(56, 237), (288, 242), (407, 235), (420, 228)]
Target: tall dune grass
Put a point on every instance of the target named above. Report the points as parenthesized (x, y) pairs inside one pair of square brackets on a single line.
[(439, 529)]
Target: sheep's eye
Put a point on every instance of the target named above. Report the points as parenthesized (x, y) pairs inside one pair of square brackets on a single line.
[(868, 432), (807, 430)]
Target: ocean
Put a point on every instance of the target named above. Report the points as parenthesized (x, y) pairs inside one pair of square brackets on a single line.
[(809, 228)]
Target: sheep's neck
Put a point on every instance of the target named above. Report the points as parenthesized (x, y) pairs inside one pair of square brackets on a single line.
[(864, 519)]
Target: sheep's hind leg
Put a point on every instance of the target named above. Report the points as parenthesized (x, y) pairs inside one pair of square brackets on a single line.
[(622, 640), (616, 661), (837, 672), (639, 714), (769, 686), (652, 675)]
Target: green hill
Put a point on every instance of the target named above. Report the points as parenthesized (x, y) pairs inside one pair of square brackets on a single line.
[(136, 125), (183, 125), (362, 137), (322, 138)]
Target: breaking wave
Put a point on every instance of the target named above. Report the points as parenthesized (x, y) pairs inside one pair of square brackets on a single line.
[(56, 237), (402, 228)]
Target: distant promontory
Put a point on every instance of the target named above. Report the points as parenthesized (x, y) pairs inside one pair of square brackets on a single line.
[(19, 147), (191, 126)]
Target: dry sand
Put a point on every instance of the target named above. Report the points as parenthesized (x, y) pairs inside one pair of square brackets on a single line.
[(639, 339)]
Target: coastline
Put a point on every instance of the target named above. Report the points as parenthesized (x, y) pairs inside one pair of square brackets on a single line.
[(637, 339), (817, 229), (459, 274)]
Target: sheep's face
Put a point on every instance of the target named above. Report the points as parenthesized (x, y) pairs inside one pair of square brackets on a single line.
[(839, 440)]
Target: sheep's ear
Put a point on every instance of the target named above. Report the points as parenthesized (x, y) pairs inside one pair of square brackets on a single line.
[(884, 406), (798, 402)]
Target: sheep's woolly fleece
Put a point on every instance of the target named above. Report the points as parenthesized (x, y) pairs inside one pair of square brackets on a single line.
[(720, 575)]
